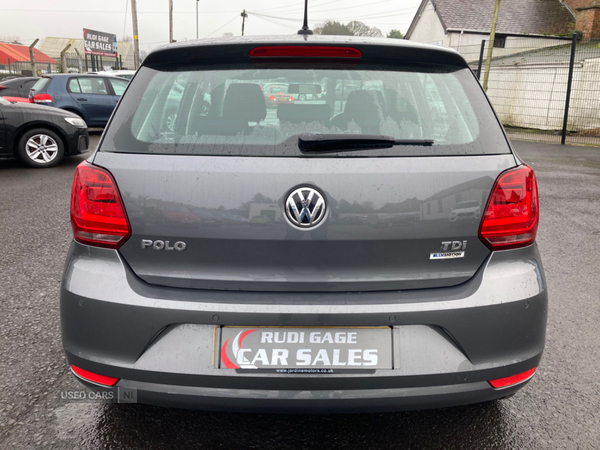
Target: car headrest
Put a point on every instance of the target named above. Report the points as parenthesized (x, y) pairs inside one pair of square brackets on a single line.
[(364, 107), (303, 113), (245, 101)]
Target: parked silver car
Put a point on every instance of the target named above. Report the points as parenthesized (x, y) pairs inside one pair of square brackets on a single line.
[(301, 258)]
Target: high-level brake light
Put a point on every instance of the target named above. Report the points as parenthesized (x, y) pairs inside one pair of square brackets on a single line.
[(98, 216), (305, 51), (511, 216)]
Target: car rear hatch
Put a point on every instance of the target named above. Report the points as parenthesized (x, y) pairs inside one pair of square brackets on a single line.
[(208, 197), (38, 93)]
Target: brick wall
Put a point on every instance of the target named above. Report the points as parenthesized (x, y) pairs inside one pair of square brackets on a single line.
[(588, 17)]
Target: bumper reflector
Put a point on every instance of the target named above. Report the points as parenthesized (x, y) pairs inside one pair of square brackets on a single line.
[(94, 377), (512, 380)]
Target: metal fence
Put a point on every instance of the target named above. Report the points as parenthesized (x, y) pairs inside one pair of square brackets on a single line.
[(543, 89), (74, 63)]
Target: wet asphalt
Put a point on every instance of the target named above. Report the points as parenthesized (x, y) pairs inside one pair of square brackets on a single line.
[(559, 409)]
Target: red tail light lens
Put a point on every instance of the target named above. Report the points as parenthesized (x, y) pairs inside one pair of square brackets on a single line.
[(98, 216), (512, 380), (304, 51), (512, 213), (2, 87), (94, 377), (42, 98)]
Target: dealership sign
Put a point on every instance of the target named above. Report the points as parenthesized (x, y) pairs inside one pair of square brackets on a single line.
[(98, 43)]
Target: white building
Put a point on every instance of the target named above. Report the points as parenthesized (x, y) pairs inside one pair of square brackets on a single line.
[(463, 24)]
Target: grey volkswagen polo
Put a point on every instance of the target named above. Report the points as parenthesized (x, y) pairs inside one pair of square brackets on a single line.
[(301, 256)]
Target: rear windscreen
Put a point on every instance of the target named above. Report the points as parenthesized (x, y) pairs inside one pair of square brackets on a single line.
[(41, 84), (261, 111)]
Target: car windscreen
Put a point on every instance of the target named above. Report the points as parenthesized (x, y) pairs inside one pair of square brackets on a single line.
[(261, 111)]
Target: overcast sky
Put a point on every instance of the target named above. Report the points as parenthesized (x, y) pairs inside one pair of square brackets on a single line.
[(30, 19)]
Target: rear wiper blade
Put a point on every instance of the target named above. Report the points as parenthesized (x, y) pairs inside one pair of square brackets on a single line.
[(332, 143)]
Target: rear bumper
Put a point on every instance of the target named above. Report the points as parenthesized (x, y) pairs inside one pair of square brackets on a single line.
[(159, 341), (304, 401)]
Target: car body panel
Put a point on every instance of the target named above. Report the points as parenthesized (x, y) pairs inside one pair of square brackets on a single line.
[(17, 99), (17, 87), (95, 106), (450, 338), (18, 117), (211, 246), (385, 244)]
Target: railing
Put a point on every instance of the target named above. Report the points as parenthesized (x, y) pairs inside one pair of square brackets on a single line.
[(543, 89)]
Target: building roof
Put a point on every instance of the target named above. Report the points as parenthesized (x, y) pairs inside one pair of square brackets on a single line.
[(541, 17), (20, 53)]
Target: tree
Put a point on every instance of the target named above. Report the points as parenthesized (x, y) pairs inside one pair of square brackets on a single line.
[(333, 28), (11, 40), (360, 29), (395, 34), (354, 28)]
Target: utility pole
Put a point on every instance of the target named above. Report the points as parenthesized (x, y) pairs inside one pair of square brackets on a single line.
[(136, 43), (488, 60), (244, 15), (31, 58), (197, 18), (170, 21), (63, 59)]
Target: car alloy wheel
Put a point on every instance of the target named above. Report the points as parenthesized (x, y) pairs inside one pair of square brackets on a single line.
[(41, 148), (171, 118)]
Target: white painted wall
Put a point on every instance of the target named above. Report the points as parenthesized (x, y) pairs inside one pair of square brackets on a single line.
[(428, 28), (533, 96)]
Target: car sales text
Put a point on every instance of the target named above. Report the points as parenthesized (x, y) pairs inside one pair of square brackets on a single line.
[(321, 357)]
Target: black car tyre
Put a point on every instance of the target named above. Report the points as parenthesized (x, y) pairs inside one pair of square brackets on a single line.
[(40, 147)]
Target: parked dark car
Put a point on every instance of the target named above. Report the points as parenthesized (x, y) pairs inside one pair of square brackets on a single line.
[(40, 136), (91, 97), (17, 87), (309, 303)]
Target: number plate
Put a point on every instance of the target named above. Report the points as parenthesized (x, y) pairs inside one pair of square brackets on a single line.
[(304, 350)]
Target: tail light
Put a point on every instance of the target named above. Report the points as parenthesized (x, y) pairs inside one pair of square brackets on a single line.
[(42, 98), (512, 380), (271, 98), (512, 213), (2, 87), (94, 377), (98, 216)]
